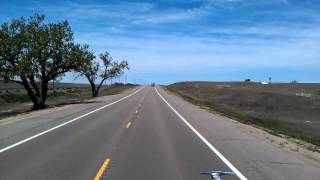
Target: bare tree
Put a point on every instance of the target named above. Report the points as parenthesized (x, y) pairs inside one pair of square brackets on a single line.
[(94, 72)]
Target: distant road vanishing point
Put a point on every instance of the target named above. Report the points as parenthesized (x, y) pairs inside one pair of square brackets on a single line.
[(145, 133)]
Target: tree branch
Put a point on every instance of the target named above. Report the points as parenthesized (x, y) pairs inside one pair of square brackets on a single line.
[(100, 84), (16, 81)]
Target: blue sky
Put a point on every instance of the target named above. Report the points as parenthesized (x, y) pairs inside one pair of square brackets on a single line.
[(176, 40)]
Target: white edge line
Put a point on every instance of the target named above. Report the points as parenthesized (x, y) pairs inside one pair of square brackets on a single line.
[(65, 123), (225, 160)]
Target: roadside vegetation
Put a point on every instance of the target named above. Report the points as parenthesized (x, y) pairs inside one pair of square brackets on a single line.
[(81, 93), (277, 108), (93, 71), (33, 53), (13, 104), (14, 98)]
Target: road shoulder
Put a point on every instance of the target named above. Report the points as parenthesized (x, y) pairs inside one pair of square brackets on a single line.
[(56, 109), (257, 152), (19, 127)]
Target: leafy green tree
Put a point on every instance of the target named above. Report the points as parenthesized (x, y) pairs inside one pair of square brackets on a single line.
[(93, 71), (32, 53)]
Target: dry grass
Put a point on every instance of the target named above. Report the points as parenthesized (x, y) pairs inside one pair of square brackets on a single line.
[(14, 104), (275, 107)]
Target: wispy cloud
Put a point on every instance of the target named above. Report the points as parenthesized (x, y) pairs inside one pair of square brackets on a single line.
[(169, 17), (193, 37)]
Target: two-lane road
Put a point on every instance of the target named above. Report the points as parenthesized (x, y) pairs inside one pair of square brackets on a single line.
[(134, 136)]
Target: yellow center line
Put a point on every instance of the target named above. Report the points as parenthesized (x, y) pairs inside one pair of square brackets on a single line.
[(102, 169), (134, 114), (128, 125)]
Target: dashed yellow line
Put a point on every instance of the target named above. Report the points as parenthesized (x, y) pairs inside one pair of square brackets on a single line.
[(128, 125), (102, 169), (131, 117)]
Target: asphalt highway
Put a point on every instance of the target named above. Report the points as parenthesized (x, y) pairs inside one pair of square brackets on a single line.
[(142, 134)]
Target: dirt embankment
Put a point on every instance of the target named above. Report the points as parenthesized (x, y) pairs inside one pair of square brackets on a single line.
[(290, 109)]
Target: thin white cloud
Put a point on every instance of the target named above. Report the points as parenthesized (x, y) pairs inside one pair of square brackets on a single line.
[(132, 12), (86, 11), (258, 44), (167, 17), (165, 53)]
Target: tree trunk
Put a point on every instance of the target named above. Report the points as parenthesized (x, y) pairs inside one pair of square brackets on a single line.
[(38, 100), (93, 89), (39, 105), (31, 94), (44, 93), (95, 94), (98, 88)]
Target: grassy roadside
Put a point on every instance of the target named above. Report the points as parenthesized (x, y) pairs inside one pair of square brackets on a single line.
[(18, 102), (269, 125), (18, 98), (14, 98)]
